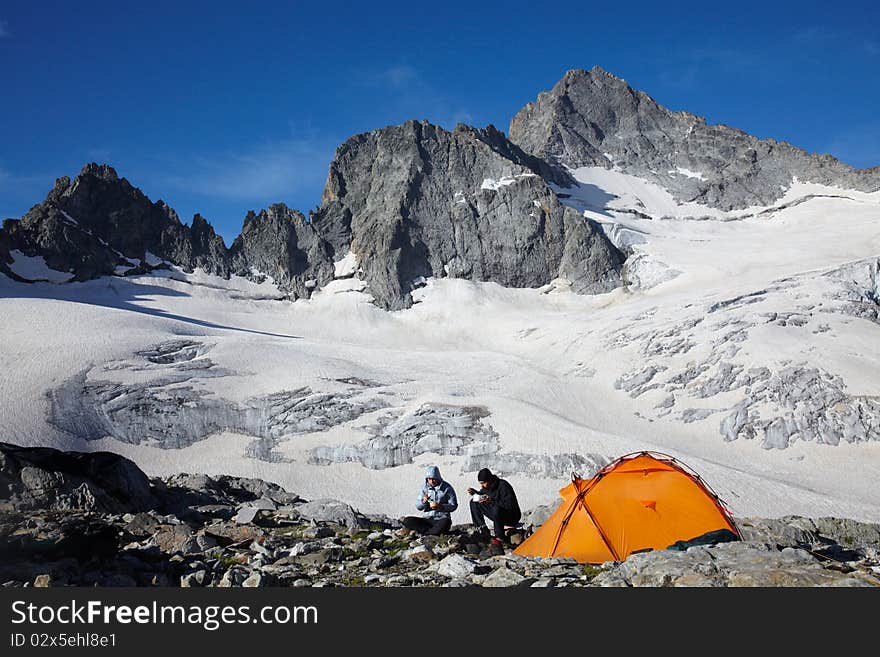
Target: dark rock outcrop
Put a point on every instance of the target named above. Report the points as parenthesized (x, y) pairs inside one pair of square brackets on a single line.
[(46, 478), (593, 118)]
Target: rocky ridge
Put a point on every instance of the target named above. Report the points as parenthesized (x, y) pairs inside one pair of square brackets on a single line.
[(101, 225), (594, 118), (413, 201), (401, 204), (71, 519)]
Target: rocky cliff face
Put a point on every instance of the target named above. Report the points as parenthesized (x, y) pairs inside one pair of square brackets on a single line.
[(49, 479), (415, 201), (592, 118), (280, 244)]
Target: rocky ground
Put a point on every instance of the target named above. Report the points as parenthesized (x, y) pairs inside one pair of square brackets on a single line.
[(69, 519)]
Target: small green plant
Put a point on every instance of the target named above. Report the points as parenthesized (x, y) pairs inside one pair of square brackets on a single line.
[(393, 548), (358, 554), (354, 580), (227, 561), (590, 571)]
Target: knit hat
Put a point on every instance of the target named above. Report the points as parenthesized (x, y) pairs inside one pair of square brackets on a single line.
[(485, 475)]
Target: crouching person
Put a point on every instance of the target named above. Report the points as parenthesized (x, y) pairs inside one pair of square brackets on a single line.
[(496, 501), (436, 501)]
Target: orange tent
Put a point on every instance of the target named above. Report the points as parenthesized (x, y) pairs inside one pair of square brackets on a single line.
[(642, 501)]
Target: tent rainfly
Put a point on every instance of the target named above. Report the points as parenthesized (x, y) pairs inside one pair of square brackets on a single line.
[(640, 502)]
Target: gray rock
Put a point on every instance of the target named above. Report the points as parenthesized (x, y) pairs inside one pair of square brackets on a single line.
[(233, 577), (246, 515), (538, 515), (455, 566), (505, 577), (320, 531), (43, 581), (428, 215), (254, 580), (264, 503), (328, 510), (141, 525), (733, 564), (198, 578), (783, 532), (305, 548), (101, 225), (205, 542), (176, 539), (849, 532)]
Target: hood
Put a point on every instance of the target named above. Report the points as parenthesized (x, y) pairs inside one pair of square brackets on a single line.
[(433, 471), (486, 475)]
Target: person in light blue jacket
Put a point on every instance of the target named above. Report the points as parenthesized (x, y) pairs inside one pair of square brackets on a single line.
[(436, 501)]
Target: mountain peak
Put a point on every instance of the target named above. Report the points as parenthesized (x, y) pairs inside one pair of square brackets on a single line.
[(102, 171), (596, 75), (596, 71), (595, 119)]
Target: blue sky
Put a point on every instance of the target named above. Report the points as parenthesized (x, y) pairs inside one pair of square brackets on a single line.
[(219, 108)]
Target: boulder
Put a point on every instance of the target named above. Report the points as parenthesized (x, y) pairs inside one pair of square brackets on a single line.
[(47, 478)]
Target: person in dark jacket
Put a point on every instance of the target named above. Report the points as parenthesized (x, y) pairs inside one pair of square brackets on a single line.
[(436, 501), (495, 500)]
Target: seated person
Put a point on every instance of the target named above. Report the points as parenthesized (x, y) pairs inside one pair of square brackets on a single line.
[(436, 501)]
